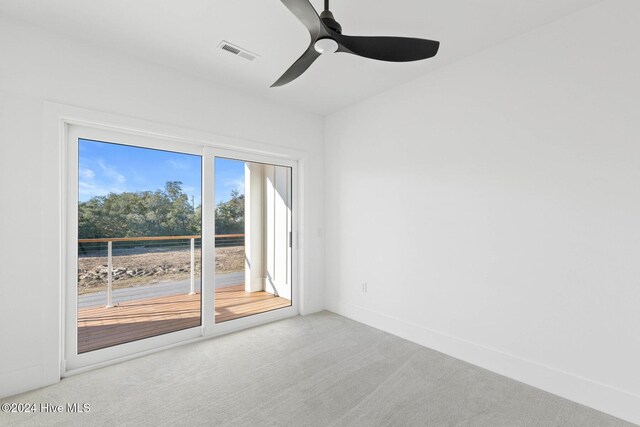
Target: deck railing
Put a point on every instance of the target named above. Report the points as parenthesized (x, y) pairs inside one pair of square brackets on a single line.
[(109, 241)]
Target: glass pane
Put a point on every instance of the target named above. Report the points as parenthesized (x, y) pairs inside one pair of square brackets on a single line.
[(139, 239), (253, 228)]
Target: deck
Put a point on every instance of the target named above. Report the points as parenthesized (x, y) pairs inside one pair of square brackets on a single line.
[(100, 327)]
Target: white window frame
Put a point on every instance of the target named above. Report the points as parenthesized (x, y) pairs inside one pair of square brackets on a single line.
[(65, 122)]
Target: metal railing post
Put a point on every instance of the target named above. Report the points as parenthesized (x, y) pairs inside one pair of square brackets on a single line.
[(235, 239), (193, 272), (109, 273)]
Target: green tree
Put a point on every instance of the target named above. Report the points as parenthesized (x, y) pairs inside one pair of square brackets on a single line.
[(165, 212), (230, 215)]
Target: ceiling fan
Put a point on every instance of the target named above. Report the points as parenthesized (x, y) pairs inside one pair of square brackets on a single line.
[(326, 36)]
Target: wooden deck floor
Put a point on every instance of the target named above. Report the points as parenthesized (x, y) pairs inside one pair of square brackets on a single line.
[(100, 327)]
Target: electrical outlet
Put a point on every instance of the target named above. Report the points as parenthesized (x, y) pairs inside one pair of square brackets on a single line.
[(363, 286)]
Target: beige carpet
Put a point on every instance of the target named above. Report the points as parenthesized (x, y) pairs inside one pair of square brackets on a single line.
[(318, 370)]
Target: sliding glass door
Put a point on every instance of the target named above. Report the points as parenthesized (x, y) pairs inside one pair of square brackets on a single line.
[(253, 238), (169, 241), (139, 241)]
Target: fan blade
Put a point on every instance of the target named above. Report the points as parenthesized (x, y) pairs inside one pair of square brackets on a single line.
[(305, 12), (298, 67), (393, 49)]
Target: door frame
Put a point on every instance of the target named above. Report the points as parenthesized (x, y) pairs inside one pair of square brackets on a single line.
[(66, 120)]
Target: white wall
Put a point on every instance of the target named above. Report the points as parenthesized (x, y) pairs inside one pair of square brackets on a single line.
[(37, 66), (493, 208)]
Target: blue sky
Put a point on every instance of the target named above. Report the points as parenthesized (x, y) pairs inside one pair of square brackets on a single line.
[(111, 168)]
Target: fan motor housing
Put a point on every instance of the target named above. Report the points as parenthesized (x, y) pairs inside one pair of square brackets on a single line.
[(330, 21)]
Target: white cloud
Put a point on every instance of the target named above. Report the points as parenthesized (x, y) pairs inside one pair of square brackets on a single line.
[(86, 173), (90, 189), (235, 184), (111, 173), (178, 164), (99, 181)]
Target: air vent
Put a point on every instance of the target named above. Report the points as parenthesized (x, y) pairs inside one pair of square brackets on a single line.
[(237, 50), (230, 49)]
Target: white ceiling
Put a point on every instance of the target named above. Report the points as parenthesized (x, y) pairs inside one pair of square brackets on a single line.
[(184, 34)]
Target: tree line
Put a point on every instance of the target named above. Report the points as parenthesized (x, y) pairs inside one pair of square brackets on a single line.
[(164, 212)]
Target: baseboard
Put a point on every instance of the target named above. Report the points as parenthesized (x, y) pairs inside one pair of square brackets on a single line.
[(23, 380), (605, 398)]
